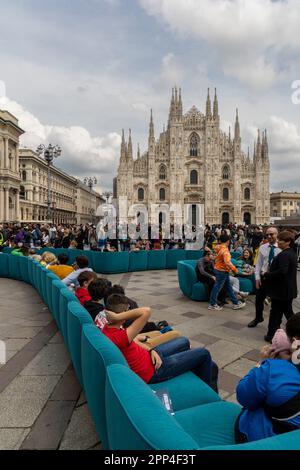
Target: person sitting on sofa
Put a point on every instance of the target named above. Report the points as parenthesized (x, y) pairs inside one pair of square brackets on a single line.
[(60, 268), (118, 289), (270, 393), (96, 289), (81, 264), (84, 279), (165, 361)]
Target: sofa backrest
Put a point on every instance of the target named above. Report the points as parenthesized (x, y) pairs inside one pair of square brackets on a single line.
[(97, 353), (136, 418)]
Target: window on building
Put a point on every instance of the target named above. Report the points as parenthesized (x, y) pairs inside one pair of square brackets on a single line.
[(225, 194), (22, 192), (162, 194), (140, 194), (284, 213), (194, 145), (275, 213), (194, 177), (162, 172), (247, 194), (226, 172), (24, 175), (291, 203)]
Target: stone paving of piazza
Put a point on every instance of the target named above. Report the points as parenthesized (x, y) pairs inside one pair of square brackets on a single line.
[(41, 403)]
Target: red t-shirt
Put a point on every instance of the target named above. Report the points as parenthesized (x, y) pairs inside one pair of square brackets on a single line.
[(82, 295), (139, 360)]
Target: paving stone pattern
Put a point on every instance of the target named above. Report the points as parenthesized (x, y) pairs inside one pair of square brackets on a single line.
[(41, 402)]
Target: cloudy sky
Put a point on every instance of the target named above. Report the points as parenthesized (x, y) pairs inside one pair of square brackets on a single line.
[(75, 72)]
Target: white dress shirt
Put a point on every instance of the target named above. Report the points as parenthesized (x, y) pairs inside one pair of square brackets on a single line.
[(262, 263)]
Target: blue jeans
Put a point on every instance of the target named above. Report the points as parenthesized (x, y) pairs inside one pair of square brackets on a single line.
[(222, 279), (177, 358)]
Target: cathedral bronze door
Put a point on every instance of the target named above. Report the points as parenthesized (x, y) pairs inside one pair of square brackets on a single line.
[(225, 218), (247, 218)]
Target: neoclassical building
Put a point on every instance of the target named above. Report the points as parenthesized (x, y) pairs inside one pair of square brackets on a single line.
[(194, 162), (10, 133), (24, 185)]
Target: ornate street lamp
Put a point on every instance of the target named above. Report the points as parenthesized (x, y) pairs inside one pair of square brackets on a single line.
[(90, 181), (107, 195), (49, 153)]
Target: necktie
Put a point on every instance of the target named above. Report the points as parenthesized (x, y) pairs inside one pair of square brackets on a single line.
[(271, 254)]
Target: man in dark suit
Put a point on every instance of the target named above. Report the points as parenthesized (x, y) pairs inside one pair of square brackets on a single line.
[(281, 283)]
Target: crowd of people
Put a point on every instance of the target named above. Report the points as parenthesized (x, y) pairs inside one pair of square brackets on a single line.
[(87, 237), (269, 393)]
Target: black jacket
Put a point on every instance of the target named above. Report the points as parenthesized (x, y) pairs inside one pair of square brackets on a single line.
[(281, 281), (93, 308)]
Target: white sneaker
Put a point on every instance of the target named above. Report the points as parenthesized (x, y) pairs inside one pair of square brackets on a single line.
[(239, 305), (267, 302), (244, 294), (215, 307)]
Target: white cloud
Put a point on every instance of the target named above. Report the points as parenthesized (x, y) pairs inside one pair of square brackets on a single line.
[(172, 72), (250, 37), (82, 154)]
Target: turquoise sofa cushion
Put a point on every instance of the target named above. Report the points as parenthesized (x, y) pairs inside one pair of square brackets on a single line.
[(90, 256), (187, 391), (97, 353), (173, 256), (49, 279), (194, 254), (57, 286), (23, 262), (4, 267), (111, 263), (210, 424), (200, 292), (186, 276), (14, 267), (66, 296), (157, 259), (73, 253), (136, 419), (246, 285), (76, 318), (138, 261)]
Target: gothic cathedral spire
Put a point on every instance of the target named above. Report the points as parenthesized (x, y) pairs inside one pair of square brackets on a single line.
[(216, 106), (208, 105)]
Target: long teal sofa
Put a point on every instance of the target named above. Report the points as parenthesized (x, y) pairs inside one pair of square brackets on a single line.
[(126, 412), (125, 261), (196, 290)]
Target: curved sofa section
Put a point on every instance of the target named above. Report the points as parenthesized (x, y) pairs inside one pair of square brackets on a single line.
[(126, 412), (196, 290)]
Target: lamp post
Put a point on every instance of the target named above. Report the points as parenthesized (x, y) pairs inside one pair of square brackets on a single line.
[(90, 181), (107, 195), (49, 154)]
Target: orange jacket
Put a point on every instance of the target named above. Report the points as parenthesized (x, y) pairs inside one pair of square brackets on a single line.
[(223, 259)]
